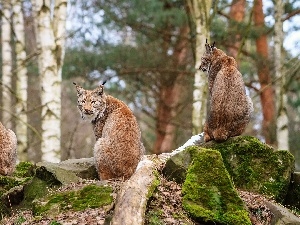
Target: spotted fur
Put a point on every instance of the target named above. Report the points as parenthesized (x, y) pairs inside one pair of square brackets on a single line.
[(229, 107), (8, 151), (118, 148)]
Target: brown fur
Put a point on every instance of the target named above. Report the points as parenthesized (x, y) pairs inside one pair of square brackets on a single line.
[(118, 148), (229, 107), (8, 151)]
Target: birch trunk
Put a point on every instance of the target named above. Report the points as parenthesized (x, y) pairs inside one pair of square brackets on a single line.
[(282, 117), (6, 65), (199, 10), (21, 80), (50, 34)]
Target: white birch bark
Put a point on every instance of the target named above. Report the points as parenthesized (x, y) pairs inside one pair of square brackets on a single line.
[(6, 65), (21, 79), (282, 118), (50, 63), (200, 15)]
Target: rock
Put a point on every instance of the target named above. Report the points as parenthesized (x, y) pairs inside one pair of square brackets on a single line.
[(293, 197), (11, 187), (208, 193), (68, 171), (89, 196), (252, 165), (281, 215)]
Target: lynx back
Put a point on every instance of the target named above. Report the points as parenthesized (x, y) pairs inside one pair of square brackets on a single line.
[(118, 147), (230, 108)]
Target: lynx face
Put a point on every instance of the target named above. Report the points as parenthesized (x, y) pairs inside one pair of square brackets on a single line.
[(91, 103)]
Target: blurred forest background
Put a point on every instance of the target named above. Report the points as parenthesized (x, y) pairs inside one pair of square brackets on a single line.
[(149, 52)]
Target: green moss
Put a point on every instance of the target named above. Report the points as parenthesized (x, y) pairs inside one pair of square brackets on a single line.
[(154, 184), (36, 188), (255, 166), (208, 193), (153, 217), (91, 196), (24, 169), (22, 174)]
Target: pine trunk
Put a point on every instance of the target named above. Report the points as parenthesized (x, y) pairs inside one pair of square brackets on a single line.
[(199, 12), (6, 65), (170, 95), (21, 80), (237, 14), (50, 63), (281, 95), (263, 70)]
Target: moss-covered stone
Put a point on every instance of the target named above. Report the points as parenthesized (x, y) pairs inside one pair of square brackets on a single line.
[(208, 193), (68, 171), (176, 167), (255, 166), (91, 196), (11, 187)]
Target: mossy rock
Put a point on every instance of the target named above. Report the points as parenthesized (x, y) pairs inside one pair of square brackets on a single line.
[(65, 172), (91, 196), (252, 165), (255, 166), (11, 187), (208, 193)]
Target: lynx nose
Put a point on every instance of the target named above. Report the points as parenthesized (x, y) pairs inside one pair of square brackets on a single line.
[(88, 111)]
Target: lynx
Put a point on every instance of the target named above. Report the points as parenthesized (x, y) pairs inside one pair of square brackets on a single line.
[(229, 107), (118, 148), (8, 151)]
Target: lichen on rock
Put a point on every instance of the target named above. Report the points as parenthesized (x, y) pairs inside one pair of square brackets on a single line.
[(208, 193)]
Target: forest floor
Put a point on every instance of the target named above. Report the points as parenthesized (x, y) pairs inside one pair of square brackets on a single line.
[(164, 208)]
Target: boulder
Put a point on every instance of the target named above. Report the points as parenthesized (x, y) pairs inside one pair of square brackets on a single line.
[(293, 197), (252, 165), (68, 171), (208, 193), (282, 215)]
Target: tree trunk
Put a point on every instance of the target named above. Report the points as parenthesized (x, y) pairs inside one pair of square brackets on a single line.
[(50, 35), (170, 95), (199, 12), (6, 65), (237, 14), (263, 70), (281, 95), (21, 80)]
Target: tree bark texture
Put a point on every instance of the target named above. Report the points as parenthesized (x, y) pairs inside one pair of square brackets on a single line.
[(199, 12), (237, 15), (6, 81), (170, 96), (280, 85), (51, 35), (132, 199), (21, 80), (263, 71)]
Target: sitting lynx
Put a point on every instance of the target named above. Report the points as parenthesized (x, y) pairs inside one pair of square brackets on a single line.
[(229, 107), (8, 151), (118, 148)]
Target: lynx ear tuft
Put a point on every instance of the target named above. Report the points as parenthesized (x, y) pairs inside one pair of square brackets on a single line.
[(79, 89), (104, 82), (213, 45)]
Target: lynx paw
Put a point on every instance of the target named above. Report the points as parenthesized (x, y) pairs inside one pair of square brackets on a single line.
[(220, 134)]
